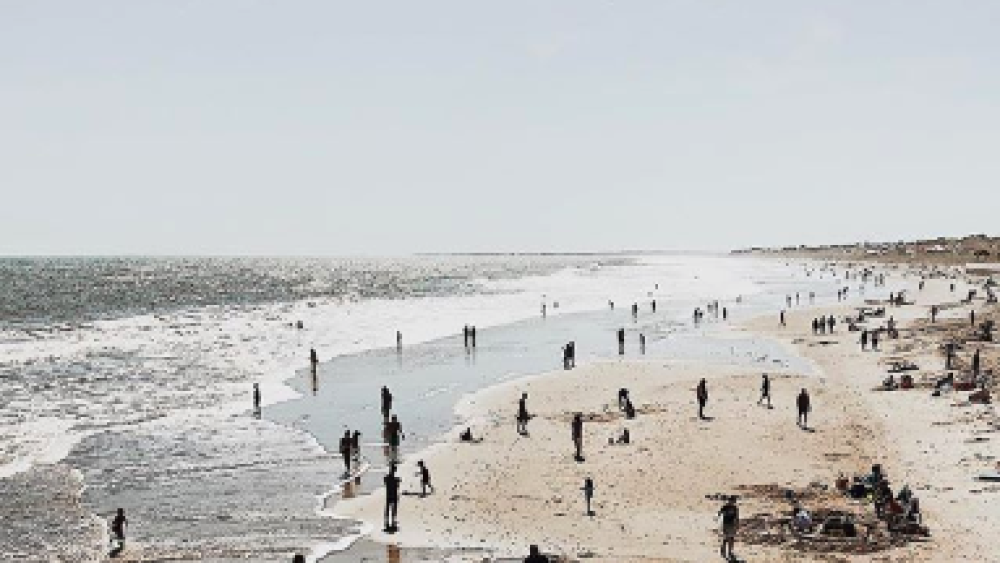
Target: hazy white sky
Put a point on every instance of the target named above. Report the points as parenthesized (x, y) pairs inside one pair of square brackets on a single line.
[(294, 127)]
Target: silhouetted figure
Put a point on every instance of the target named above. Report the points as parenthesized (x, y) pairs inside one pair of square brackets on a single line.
[(522, 415), (391, 498), (629, 409), (472, 335), (399, 341), (642, 343), (949, 350), (465, 336), (611, 304), (730, 515), (535, 556), (298, 558), (588, 494), (394, 435), (765, 390), (654, 305), (864, 339), (621, 342), (346, 450), (543, 310), (975, 364), (702, 393), (356, 446), (577, 428), (934, 313), (256, 397), (425, 479), (313, 358), (466, 436), (972, 319), (874, 340), (725, 313), (804, 407), (118, 526), (782, 318), (386, 402), (569, 355), (622, 398), (830, 323), (635, 311)]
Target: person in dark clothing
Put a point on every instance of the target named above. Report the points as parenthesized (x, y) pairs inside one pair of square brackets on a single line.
[(356, 446), (346, 450), (472, 335), (588, 494), (522, 415), (118, 526), (391, 498), (654, 305), (425, 479), (642, 343), (577, 431), (298, 558), (399, 341), (972, 319), (730, 515), (622, 397), (394, 434), (465, 336), (864, 339), (256, 397), (535, 556), (386, 402), (629, 409), (621, 342), (804, 407), (765, 390), (874, 340), (702, 394), (782, 318), (975, 364)]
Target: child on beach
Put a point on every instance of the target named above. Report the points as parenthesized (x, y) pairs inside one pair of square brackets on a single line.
[(425, 479)]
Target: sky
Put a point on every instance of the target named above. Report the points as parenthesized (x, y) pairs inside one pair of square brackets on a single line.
[(385, 128)]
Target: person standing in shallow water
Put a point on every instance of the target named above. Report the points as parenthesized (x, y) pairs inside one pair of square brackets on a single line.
[(702, 393), (118, 526), (394, 434), (386, 402)]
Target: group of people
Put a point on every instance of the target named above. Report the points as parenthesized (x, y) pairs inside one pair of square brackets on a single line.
[(821, 325)]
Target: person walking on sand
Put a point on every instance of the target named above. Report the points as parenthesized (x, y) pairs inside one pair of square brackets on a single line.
[(730, 515), (765, 390), (804, 407), (425, 479), (386, 402), (391, 498), (588, 494), (577, 430), (702, 394), (522, 415), (118, 526)]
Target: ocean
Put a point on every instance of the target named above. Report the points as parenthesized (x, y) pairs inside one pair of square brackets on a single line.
[(126, 382)]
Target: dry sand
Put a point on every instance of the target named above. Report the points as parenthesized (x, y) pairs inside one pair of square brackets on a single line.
[(650, 501)]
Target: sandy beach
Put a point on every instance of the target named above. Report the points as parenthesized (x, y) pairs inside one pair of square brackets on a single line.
[(654, 498)]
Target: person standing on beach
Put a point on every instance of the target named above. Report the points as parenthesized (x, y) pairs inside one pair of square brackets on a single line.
[(425, 479), (577, 430), (875, 340), (313, 359), (782, 318), (386, 402), (345, 451), (472, 336), (765, 390), (975, 364), (642, 343), (972, 319), (256, 397), (730, 515), (621, 342), (804, 407), (399, 341), (702, 394), (831, 322), (394, 434), (654, 305), (588, 494), (465, 336), (864, 340), (934, 313), (635, 311), (118, 525), (356, 447), (522, 415), (535, 555), (391, 498)]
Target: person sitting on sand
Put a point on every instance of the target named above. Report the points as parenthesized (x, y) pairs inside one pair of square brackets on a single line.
[(765, 390), (702, 393), (730, 514), (535, 556), (577, 431), (391, 498), (804, 407), (522, 415), (425, 478)]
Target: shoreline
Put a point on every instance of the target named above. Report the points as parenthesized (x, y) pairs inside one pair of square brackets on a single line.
[(439, 519)]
